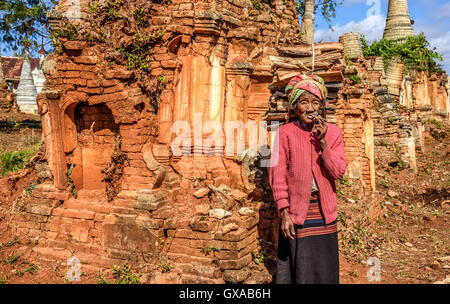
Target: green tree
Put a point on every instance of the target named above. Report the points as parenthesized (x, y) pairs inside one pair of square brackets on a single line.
[(23, 23), (415, 52)]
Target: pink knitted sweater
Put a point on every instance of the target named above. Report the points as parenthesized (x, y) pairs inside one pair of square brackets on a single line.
[(292, 167)]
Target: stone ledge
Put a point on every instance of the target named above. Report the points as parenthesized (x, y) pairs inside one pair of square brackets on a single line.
[(235, 264)]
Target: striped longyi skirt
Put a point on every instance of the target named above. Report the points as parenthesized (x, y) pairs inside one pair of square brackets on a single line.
[(312, 256)]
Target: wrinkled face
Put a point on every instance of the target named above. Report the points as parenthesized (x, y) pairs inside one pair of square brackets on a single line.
[(307, 104)]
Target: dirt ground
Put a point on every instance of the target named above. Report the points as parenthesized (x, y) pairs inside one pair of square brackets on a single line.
[(410, 236), (404, 225), (19, 131)]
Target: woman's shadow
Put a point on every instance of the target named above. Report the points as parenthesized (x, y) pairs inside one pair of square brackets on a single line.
[(269, 222)]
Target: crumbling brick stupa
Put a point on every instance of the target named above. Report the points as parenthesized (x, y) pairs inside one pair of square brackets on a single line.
[(126, 82)]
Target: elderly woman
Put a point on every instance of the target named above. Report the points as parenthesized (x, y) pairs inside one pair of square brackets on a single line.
[(308, 157)]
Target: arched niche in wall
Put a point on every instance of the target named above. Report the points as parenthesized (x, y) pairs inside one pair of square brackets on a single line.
[(89, 134)]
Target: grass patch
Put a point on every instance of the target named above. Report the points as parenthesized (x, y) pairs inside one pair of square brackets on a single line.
[(121, 275), (355, 78), (11, 260), (258, 256), (345, 181), (124, 275), (353, 273), (209, 249), (32, 268), (166, 267), (19, 273), (100, 278), (10, 243), (15, 160)]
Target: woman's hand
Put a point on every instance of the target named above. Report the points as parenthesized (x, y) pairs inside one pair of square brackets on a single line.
[(287, 226), (320, 128)]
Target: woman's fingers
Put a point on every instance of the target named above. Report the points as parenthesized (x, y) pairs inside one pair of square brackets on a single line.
[(289, 231), (287, 227), (320, 127), (285, 233)]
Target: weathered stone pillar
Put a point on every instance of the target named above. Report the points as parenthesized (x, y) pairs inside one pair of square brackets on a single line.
[(165, 117), (352, 47), (199, 99), (182, 98), (53, 137), (394, 77), (238, 81), (398, 22), (406, 97), (216, 98), (369, 148)]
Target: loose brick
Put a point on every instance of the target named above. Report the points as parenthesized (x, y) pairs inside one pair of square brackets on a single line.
[(114, 89), (189, 234), (37, 218), (63, 196), (93, 83), (235, 264), (156, 20), (203, 225), (28, 225), (93, 100), (149, 223), (80, 231), (91, 91), (71, 74), (75, 81), (186, 6), (187, 30), (90, 60), (74, 45), (236, 276), (169, 64), (109, 82), (150, 201), (88, 75), (236, 254), (74, 67), (189, 14), (79, 214), (119, 74), (229, 245), (156, 72), (39, 209)]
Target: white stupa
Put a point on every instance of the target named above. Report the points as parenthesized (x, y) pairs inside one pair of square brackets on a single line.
[(38, 74), (26, 91)]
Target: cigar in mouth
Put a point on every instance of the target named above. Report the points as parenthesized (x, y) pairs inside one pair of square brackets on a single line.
[(316, 116)]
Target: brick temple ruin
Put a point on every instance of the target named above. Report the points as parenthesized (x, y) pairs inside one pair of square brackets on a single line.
[(117, 191)]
